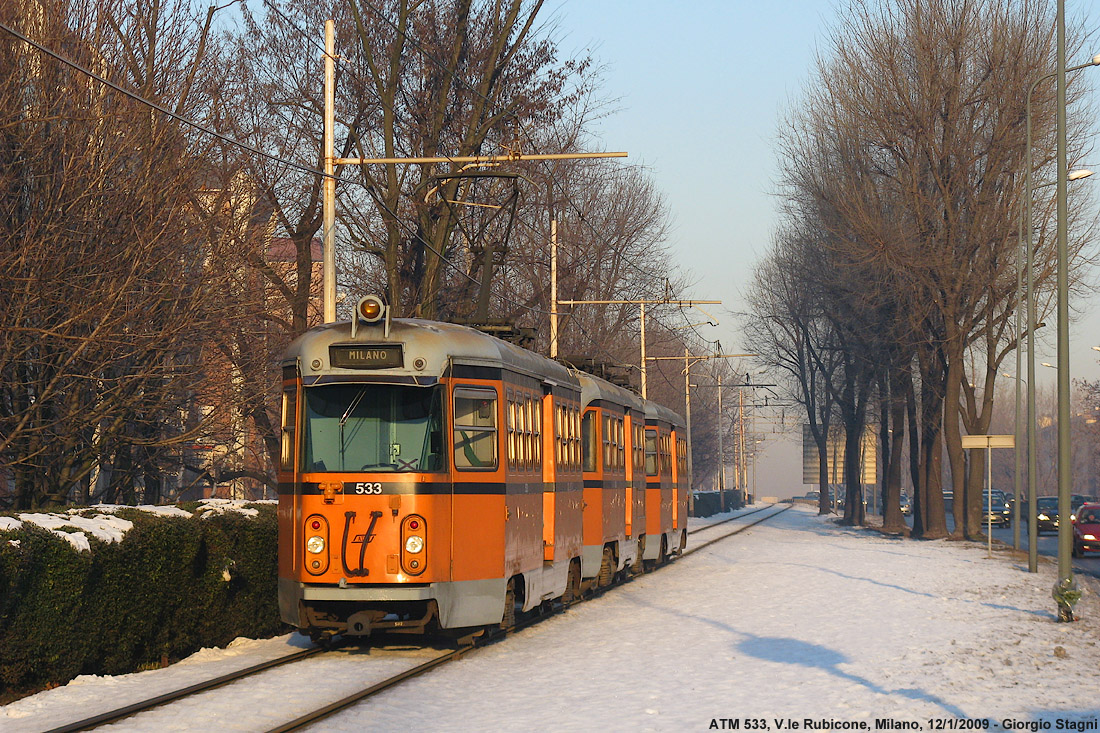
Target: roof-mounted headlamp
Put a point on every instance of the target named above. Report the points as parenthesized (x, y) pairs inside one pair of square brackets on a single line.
[(370, 309)]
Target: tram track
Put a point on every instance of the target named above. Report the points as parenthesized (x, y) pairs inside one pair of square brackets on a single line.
[(738, 530), (126, 711), (712, 525), (377, 687), (350, 700)]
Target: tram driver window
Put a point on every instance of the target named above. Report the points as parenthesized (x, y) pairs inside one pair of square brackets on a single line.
[(475, 429)]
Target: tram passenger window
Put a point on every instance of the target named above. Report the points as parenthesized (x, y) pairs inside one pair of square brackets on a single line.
[(511, 433), (651, 452), (608, 444), (290, 416), (588, 440), (475, 429), (536, 433), (620, 444)]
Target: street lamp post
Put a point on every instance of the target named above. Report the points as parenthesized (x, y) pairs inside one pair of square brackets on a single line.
[(1065, 590), (1065, 585), (1033, 557)]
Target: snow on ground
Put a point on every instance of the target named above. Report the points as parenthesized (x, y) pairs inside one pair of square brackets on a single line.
[(793, 619)]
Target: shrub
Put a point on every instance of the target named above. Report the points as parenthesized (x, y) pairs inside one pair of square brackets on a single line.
[(170, 587)]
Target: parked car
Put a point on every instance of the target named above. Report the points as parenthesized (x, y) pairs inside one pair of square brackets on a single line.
[(996, 509), (1047, 518), (1086, 530)]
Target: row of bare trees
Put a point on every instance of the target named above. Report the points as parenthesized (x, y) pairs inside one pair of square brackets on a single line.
[(889, 297), (153, 273)]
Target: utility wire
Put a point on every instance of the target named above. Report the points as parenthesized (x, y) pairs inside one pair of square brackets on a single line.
[(270, 4), (163, 110), (297, 166), (501, 297)]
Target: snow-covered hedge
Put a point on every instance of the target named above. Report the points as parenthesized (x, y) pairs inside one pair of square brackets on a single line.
[(107, 590)]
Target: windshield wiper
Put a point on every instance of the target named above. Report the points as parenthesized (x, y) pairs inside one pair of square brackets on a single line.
[(344, 418)]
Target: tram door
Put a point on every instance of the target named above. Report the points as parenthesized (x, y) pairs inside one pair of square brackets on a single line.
[(478, 501), (289, 475)]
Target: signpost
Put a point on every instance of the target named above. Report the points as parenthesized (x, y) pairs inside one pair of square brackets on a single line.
[(989, 442)]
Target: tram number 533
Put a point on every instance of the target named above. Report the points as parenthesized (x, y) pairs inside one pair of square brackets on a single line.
[(368, 487)]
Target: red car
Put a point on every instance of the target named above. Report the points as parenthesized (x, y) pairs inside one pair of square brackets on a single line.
[(1086, 529)]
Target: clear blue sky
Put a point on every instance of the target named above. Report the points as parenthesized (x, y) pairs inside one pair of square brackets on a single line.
[(701, 87)]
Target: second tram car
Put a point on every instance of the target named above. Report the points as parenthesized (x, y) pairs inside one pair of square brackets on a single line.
[(435, 477)]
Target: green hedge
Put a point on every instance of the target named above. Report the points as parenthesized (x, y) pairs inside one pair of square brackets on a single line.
[(159, 594)]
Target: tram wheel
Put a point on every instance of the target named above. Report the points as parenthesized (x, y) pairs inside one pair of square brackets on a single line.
[(509, 620), (607, 568), (572, 585), (639, 564)]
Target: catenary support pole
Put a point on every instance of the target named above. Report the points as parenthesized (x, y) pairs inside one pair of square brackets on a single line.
[(328, 205)]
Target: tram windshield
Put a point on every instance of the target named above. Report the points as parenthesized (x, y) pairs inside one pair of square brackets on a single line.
[(373, 427)]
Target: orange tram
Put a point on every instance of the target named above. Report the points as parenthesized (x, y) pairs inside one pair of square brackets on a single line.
[(436, 478)]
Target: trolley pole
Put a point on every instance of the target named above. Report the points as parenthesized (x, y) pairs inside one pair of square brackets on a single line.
[(553, 288), (643, 303), (328, 206), (721, 453)]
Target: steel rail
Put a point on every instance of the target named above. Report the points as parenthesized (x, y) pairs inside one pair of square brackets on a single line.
[(736, 531), (479, 643), (730, 519), (132, 709), (374, 689)]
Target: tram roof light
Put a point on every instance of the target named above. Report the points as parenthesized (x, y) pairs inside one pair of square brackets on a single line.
[(371, 308)]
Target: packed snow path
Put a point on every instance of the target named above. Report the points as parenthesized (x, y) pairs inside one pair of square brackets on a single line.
[(794, 621)]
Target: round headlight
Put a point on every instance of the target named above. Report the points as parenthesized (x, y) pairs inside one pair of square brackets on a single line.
[(371, 308), (414, 544), (315, 544)]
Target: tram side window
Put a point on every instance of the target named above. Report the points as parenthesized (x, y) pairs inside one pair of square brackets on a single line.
[(575, 437), (588, 440), (650, 452), (608, 447), (536, 434), (511, 419), (620, 444), (475, 429), (290, 414)]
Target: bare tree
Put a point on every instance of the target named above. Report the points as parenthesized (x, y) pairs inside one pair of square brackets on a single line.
[(913, 150), (105, 299)]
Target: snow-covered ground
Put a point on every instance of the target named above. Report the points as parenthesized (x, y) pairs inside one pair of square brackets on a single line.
[(793, 624)]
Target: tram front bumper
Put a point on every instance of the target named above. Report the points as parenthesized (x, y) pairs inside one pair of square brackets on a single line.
[(460, 603)]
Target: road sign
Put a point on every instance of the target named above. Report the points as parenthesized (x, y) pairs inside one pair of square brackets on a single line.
[(989, 441)]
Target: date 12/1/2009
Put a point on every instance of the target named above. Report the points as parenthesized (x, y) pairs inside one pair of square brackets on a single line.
[(932, 724)]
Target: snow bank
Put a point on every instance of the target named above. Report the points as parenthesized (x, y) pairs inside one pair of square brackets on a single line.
[(74, 525)]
